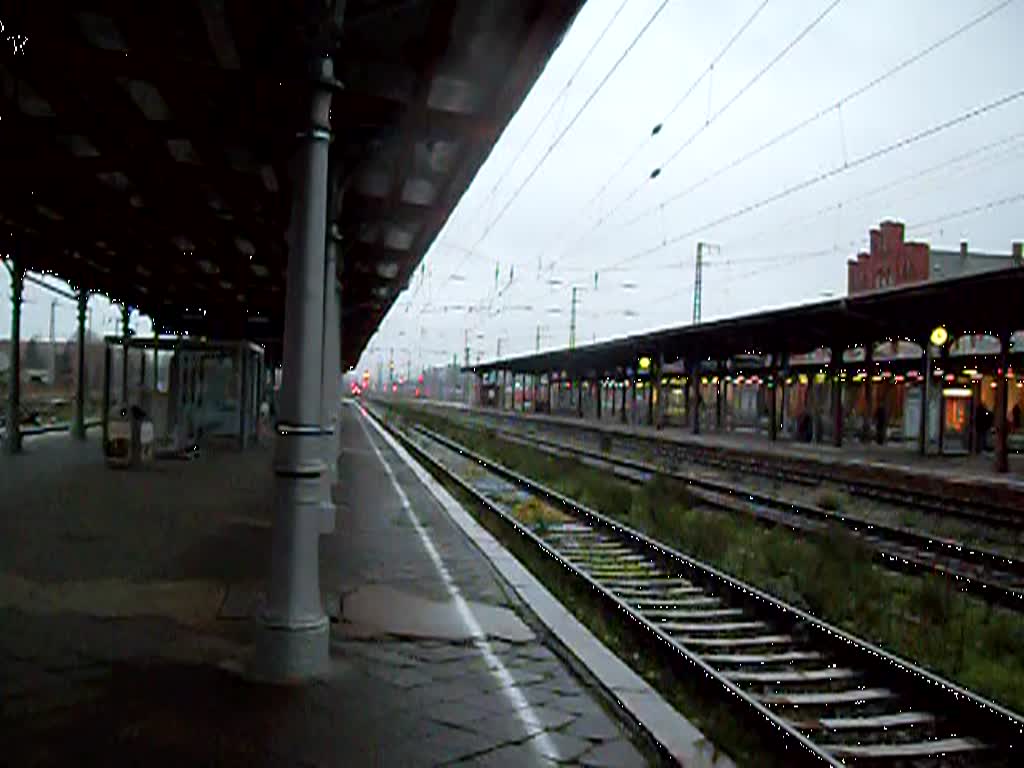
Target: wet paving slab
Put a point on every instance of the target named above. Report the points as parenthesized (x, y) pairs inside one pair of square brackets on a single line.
[(132, 653)]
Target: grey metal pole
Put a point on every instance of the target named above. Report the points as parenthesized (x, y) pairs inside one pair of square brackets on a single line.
[(156, 357), (53, 344), (126, 315), (78, 418), (293, 641), (243, 396), (922, 434), (14, 394), (338, 389), (867, 433), (329, 368), (107, 355), (1002, 461)]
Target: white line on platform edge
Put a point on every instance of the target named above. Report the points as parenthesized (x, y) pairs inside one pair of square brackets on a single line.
[(524, 711), (677, 735)]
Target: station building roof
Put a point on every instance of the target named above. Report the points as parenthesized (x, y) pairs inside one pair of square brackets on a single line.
[(989, 302), (145, 146)]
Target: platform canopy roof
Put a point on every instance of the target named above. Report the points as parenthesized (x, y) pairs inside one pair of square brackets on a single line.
[(144, 146), (986, 303)]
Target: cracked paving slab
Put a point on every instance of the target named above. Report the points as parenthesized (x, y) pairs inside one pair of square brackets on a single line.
[(381, 610)]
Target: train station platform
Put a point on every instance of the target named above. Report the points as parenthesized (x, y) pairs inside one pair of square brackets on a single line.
[(893, 464), (126, 606)]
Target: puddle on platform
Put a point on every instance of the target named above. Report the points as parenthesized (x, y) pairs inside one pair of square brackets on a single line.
[(376, 610)]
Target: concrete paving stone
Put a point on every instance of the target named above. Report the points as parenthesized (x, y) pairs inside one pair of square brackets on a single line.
[(573, 703), (457, 687), (403, 677), (552, 718), (538, 694), (563, 747), (492, 702), (454, 714), (595, 726), (445, 674), (521, 679), (447, 744), (456, 694), (536, 651), (507, 727), (613, 754), (391, 701), (391, 654), (549, 667), (444, 652), (512, 756)]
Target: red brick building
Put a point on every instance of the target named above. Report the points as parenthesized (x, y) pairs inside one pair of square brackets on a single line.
[(893, 261)]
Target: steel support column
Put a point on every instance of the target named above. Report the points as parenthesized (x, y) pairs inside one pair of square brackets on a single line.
[(78, 416), (650, 396), (944, 364), (107, 369), (657, 393), (156, 356), (14, 393), (725, 404), (718, 403), (1002, 460), (599, 389), (243, 397), (293, 642), (632, 386), (835, 366), (579, 398), (926, 378), (771, 385), (693, 368), (867, 432), (339, 389), (126, 316), (330, 364)]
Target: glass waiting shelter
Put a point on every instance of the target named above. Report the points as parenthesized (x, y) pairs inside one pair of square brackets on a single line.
[(193, 391)]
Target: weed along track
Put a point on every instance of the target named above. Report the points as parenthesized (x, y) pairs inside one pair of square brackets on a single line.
[(819, 693), (990, 575)]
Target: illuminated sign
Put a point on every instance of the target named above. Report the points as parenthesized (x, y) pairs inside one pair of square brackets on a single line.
[(939, 336), (956, 392), (645, 363)]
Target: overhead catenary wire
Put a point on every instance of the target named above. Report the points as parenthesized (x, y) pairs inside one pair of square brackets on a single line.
[(675, 108), (825, 111), (820, 177), (559, 98), (874, 191), (970, 211), (711, 119), (561, 135)]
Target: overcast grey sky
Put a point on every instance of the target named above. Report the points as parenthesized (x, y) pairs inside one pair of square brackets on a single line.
[(640, 235), (555, 234)]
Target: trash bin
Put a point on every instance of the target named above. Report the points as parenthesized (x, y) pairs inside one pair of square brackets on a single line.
[(129, 438)]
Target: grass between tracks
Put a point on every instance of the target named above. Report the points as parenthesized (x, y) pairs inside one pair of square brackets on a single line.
[(922, 618)]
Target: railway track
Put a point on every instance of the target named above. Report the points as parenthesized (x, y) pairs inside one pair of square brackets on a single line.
[(992, 576), (977, 510), (818, 691)]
